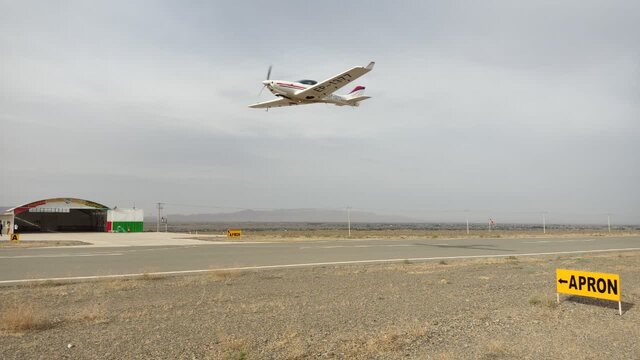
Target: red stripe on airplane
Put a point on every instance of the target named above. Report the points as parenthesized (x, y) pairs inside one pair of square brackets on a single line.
[(291, 86)]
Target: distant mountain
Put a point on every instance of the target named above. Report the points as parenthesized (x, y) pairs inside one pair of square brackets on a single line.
[(288, 215)]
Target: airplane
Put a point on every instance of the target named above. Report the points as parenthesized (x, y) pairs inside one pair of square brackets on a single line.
[(305, 92)]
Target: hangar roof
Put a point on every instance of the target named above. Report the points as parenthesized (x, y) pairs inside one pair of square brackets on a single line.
[(56, 205)]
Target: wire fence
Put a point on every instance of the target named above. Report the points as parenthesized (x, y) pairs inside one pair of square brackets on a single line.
[(357, 218)]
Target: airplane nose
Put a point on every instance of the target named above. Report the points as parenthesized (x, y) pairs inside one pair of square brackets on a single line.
[(266, 82)]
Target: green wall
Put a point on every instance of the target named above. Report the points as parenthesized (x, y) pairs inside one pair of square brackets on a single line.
[(126, 226)]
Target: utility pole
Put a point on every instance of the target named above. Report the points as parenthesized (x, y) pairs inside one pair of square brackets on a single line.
[(160, 207), (349, 220), (466, 213)]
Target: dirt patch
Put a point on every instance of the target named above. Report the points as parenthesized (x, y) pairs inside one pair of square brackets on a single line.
[(458, 309)]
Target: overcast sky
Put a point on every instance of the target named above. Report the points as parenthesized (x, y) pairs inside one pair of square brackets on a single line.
[(507, 109)]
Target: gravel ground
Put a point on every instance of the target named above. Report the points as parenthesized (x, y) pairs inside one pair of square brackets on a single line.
[(462, 309)]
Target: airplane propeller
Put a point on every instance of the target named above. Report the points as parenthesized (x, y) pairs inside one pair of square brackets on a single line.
[(266, 81)]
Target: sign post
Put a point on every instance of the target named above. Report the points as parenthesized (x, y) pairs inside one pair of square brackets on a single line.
[(232, 233), (591, 284), (15, 237)]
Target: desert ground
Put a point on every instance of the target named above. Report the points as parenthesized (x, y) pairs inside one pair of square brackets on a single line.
[(456, 309)]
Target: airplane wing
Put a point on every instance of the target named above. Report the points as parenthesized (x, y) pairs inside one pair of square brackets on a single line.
[(273, 103), (324, 88)]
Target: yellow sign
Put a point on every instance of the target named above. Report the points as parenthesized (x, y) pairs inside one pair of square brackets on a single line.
[(234, 233), (585, 283), (15, 237)]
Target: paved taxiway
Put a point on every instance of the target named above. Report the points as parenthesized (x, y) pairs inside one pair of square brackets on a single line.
[(18, 264)]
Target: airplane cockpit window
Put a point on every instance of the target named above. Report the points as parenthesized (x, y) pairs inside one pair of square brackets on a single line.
[(308, 82)]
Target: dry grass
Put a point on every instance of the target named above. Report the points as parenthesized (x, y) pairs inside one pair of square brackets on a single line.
[(225, 275), (496, 349), (46, 284), (95, 313), (535, 300), (150, 276), (233, 347), (547, 301), (389, 340), (120, 285), (428, 266), (550, 302), (290, 344), (511, 259), (23, 317)]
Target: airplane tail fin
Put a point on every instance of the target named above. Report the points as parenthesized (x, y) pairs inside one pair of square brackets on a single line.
[(356, 95), (357, 91)]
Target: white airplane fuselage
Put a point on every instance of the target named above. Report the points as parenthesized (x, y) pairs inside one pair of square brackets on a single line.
[(289, 89)]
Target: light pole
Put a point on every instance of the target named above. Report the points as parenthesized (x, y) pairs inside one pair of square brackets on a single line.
[(609, 222), (466, 213), (160, 207), (349, 220), (544, 223)]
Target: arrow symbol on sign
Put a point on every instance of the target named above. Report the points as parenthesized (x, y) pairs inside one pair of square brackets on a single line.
[(562, 281)]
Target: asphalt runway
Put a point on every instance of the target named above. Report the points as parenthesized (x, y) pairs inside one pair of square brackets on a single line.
[(29, 264)]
